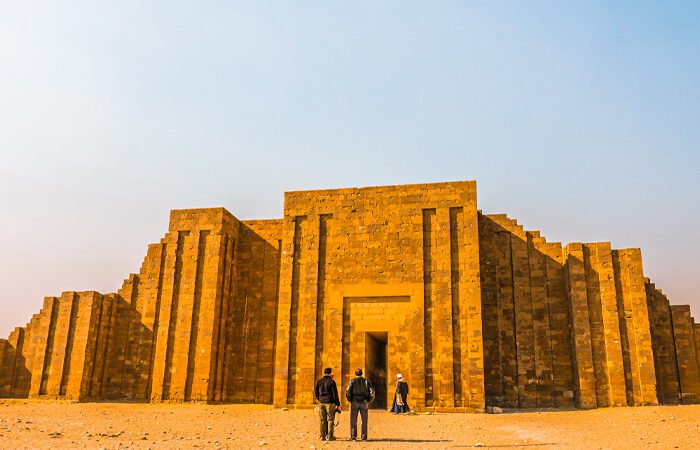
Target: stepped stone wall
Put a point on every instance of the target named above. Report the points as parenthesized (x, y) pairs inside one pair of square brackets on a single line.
[(567, 326), (663, 340), (473, 309)]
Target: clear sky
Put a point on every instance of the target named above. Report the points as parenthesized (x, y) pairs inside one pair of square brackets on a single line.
[(581, 120)]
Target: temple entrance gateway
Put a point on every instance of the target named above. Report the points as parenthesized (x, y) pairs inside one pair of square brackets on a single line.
[(376, 366)]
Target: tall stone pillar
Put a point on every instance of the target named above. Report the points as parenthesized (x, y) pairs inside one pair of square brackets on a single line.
[(605, 326), (584, 375), (684, 338), (633, 313)]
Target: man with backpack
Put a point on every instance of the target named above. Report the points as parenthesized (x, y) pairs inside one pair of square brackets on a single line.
[(359, 393)]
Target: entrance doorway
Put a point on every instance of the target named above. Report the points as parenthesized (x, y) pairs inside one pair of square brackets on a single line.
[(375, 366)]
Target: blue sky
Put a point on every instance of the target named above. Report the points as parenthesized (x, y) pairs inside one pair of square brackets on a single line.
[(579, 119)]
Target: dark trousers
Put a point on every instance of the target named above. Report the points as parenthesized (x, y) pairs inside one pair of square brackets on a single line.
[(326, 415), (361, 407)]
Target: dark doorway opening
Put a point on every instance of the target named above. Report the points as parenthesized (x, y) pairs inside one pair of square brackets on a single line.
[(375, 366)]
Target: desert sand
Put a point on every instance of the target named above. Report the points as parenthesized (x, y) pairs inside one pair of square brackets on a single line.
[(45, 424)]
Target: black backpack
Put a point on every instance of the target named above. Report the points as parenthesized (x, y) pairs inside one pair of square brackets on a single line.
[(360, 390)]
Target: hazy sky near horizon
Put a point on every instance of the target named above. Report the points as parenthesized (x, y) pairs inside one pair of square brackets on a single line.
[(580, 119)]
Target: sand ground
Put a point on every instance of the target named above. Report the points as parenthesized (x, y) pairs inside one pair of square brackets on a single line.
[(45, 424)]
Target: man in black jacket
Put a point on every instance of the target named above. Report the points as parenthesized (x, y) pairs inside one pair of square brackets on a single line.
[(327, 395), (359, 393)]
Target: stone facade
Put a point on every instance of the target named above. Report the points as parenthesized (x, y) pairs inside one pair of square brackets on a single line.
[(398, 261), (474, 310)]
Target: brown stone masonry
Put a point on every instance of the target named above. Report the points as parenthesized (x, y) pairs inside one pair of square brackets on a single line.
[(686, 353), (471, 308), (665, 361), (396, 262), (635, 331)]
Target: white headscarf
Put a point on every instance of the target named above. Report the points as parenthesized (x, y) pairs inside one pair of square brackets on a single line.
[(399, 376)]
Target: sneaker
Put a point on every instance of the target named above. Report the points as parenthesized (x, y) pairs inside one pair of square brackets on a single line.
[(323, 438), (331, 438)]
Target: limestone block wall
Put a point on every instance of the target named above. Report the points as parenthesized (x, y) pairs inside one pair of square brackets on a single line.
[(175, 331), (676, 346), (15, 362), (216, 333), (527, 352), (7, 359), (608, 367), (686, 354), (197, 322), (638, 357), (191, 303), (564, 326), (60, 362), (582, 350), (696, 328), (102, 330), (663, 345), (248, 377), (399, 262), (11, 360), (473, 309)]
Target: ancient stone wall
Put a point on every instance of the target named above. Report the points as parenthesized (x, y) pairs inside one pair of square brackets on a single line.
[(577, 325), (15, 362), (637, 354), (171, 333), (191, 304), (686, 354), (7, 361), (252, 315), (471, 308), (696, 328), (603, 315), (58, 348), (399, 262), (527, 351), (663, 345)]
